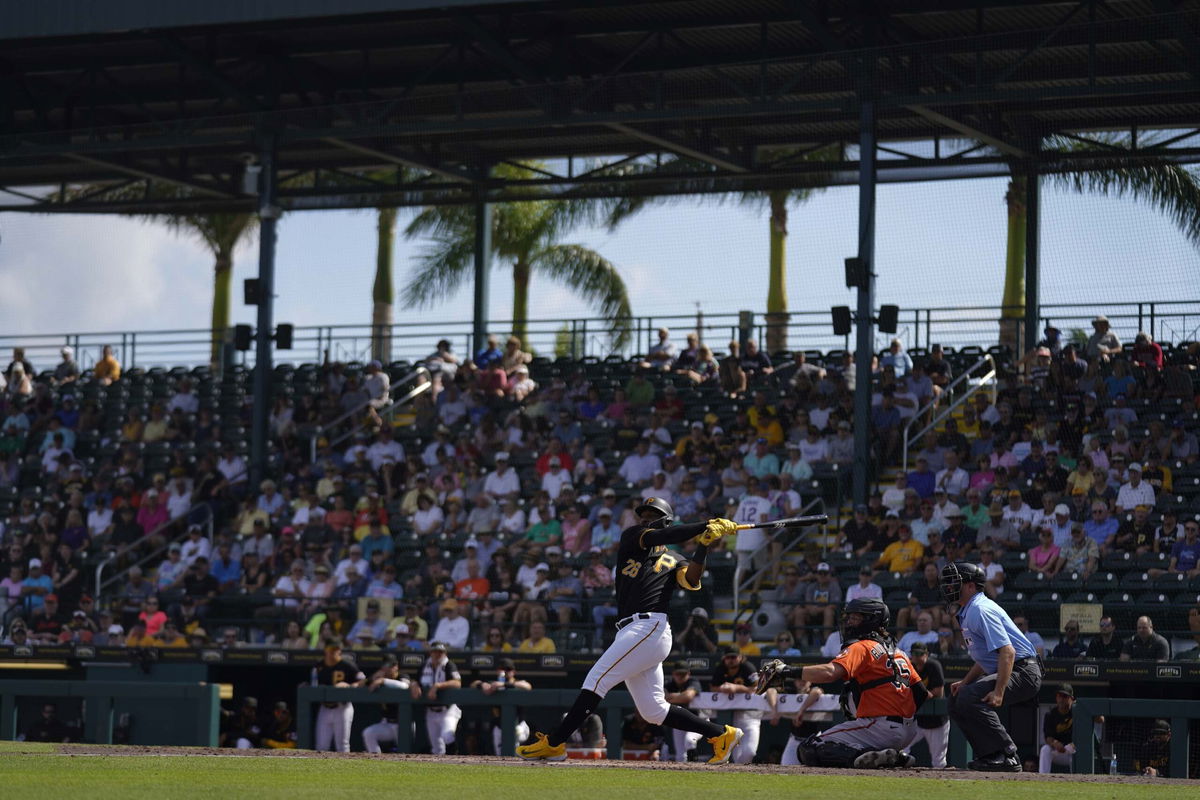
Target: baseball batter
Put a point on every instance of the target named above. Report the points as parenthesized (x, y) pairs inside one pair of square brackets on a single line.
[(647, 573), (334, 719), (441, 721), (883, 693)]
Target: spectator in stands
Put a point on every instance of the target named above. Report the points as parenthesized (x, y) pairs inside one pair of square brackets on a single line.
[(1183, 443), (732, 377), (537, 641), (520, 385), (1135, 492), (755, 363), (698, 634), (67, 370), (925, 633), (1046, 558), (865, 587), (1103, 343), (897, 358), (998, 532), (903, 555), (885, 422), (1070, 645), (822, 598), (1185, 553), (107, 370), (1101, 526), (1106, 645), (1082, 553), (1145, 644), (662, 355)]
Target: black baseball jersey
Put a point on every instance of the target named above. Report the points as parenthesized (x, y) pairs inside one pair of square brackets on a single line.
[(744, 675), (646, 576), (341, 672), (932, 676), (1058, 725)]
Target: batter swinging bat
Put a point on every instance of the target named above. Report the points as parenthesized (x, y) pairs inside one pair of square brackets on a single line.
[(790, 522)]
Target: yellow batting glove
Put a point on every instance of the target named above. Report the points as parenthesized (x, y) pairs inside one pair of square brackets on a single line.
[(715, 529)]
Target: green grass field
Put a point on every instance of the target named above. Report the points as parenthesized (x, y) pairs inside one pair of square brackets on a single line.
[(31, 771)]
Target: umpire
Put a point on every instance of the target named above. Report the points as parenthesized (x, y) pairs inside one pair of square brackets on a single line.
[(1006, 669)]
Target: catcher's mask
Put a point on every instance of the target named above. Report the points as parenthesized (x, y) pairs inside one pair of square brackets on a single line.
[(659, 506), (875, 617), (955, 574)]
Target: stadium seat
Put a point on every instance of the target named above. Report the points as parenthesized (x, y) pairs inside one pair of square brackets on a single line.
[(1135, 581)]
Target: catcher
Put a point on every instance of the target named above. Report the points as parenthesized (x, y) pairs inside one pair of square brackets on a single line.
[(883, 692)]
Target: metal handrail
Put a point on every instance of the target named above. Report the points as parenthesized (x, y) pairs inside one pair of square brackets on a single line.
[(987, 380), (814, 506), (387, 410), (101, 584)]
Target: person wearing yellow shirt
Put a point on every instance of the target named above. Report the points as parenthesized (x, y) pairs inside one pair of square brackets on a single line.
[(170, 636), (742, 641), (537, 642), (903, 555), (494, 641), (107, 369)]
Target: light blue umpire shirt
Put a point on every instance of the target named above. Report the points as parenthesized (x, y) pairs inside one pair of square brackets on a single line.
[(986, 628)]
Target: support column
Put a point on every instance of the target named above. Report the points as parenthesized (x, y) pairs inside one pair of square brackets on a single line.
[(865, 349), (1032, 268), (483, 268), (268, 216)]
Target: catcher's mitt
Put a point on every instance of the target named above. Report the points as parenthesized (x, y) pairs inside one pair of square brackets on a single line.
[(770, 674)]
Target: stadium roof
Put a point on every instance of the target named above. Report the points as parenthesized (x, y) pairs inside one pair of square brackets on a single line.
[(164, 103)]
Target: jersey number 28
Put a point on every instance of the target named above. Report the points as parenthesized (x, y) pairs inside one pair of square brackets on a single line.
[(633, 567)]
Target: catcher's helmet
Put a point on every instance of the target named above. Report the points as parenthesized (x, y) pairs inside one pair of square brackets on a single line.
[(660, 506), (955, 574), (875, 617)]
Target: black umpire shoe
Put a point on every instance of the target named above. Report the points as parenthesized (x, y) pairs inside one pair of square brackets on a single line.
[(996, 762)]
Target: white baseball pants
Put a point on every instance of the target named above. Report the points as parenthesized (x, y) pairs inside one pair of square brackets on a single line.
[(381, 731), (522, 735), (681, 742), (937, 739), (750, 722), (871, 733), (441, 726), (333, 727), (1049, 756), (635, 657)]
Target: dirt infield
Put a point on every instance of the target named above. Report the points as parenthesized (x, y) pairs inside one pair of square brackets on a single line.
[(133, 751)]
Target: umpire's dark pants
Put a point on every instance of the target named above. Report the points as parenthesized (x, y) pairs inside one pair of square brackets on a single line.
[(978, 720)]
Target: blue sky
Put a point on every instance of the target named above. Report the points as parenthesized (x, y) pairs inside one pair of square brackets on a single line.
[(938, 244)]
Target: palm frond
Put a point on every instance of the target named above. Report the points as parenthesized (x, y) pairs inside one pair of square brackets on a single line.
[(594, 278), (438, 271), (1166, 186)]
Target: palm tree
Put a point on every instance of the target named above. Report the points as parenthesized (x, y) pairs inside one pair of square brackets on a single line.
[(382, 292), (1167, 186), (774, 201), (526, 235), (221, 233)]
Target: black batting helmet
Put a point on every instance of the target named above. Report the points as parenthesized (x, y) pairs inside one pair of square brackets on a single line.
[(955, 574), (875, 618), (659, 506)]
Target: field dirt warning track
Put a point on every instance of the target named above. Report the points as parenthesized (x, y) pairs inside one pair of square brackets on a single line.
[(136, 751)]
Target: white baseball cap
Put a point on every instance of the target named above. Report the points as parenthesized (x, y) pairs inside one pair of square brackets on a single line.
[(1062, 510)]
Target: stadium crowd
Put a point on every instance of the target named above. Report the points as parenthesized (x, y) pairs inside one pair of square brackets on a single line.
[(487, 517)]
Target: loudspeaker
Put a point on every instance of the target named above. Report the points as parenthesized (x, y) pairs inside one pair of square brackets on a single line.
[(243, 336), (250, 291), (841, 320), (889, 318), (283, 335), (856, 273)]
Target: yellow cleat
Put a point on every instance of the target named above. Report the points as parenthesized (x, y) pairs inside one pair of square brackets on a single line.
[(542, 750), (723, 745)]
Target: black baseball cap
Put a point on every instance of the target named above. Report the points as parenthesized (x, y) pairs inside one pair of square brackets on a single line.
[(918, 649), (731, 650), (1067, 689)]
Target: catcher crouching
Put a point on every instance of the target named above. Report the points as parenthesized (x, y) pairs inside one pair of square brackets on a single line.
[(883, 692)]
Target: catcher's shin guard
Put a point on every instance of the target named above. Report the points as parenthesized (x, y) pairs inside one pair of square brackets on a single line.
[(815, 752)]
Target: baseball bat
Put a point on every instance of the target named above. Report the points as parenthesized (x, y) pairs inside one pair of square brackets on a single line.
[(790, 522)]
